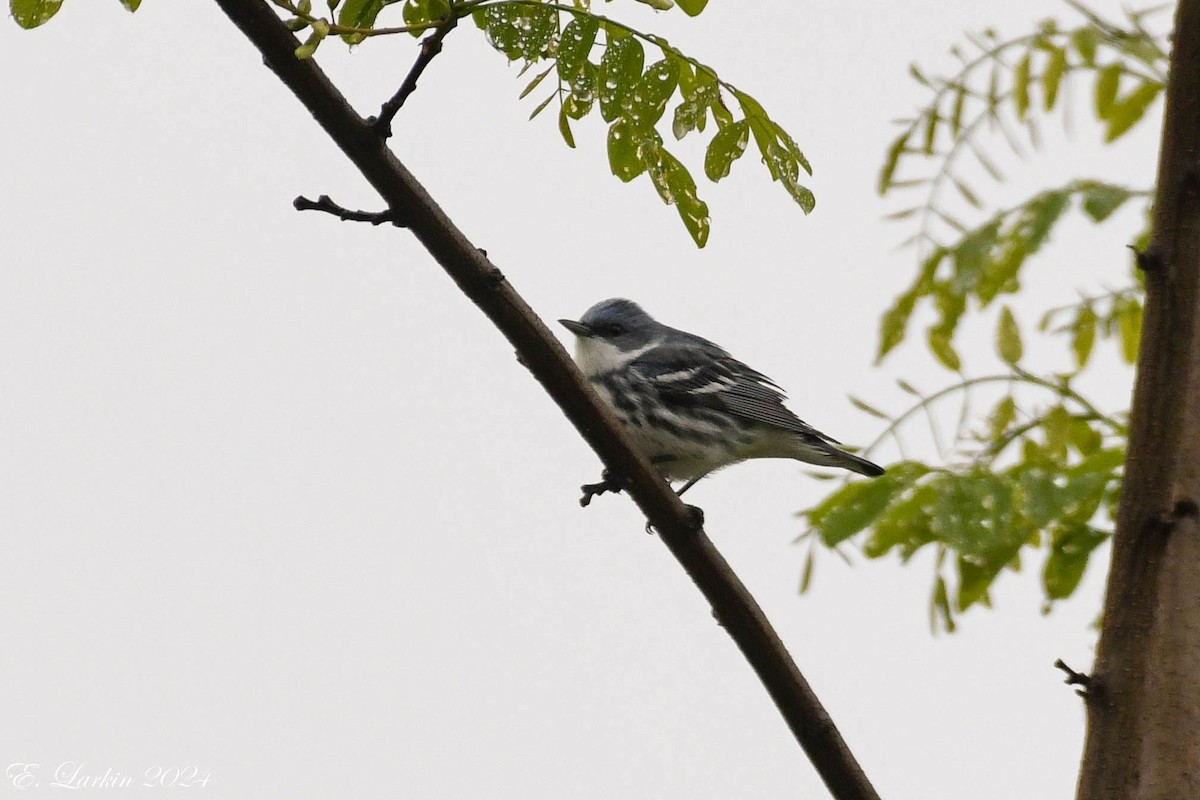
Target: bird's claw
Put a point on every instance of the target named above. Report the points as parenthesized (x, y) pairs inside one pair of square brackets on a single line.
[(695, 512), (608, 483)]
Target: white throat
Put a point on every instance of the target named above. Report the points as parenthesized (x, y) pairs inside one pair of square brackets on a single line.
[(596, 356)]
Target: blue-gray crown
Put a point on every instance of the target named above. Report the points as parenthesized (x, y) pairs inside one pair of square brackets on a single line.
[(617, 320)]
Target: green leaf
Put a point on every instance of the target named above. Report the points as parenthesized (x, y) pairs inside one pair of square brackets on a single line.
[(1108, 80), (651, 153), (972, 254), (939, 344), (1100, 200), (692, 113), (893, 158), (583, 92), (131, 5), (974, 580), (564, 127), (32, 13), (542, 105), (894, 324), (649, 98), (1056, 67), (764, 134), (904, 524), (975, 517), (1056, 426), (358, 13), (931, 119), (692, 7), (1084, 335), (1084, 438), (623, 150), (1085, 41), (620, 71), (659, 5), (1039, 493), (1003, 415), (575, 44), (1021, 86), (1126, 112), (856, 505), (520, 32), (318, 34), (533, 84), (1069, 553), (800, 193), (781, 155), (726, 147), (956, 113), (807, 574), (419, 13), (692, 210), (939, 607), (965, 191), (1038, 217), (863, 406), (895, 321), (1008, 337), (673, 183)]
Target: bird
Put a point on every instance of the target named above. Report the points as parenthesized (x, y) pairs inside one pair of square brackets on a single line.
[(688, 404)]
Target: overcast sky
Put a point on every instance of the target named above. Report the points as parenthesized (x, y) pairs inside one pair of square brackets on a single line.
[(277, 503)]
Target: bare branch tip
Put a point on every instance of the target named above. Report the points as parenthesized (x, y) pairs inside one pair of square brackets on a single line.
[(1087, 686), (430, 47), (1148, 260), (325, 204)]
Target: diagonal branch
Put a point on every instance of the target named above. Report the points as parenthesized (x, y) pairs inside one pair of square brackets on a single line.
[(545, 357)]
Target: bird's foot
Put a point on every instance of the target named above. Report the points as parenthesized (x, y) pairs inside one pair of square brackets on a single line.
[(608, 483), (695, 512)]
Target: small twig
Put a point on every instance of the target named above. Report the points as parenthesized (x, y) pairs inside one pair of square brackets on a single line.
[(1148, 260), (324, 203), (1080, 679), (430, 47)]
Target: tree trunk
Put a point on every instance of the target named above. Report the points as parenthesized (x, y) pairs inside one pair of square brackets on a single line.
[(1143, 739)]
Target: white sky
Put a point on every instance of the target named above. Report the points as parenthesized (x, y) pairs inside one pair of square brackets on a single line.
[(278, 503)]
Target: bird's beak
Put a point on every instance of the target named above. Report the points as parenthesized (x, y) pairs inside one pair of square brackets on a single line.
[(577, 328)]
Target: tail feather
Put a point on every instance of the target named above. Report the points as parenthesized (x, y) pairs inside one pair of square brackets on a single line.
[(828, 455), (860, 465)]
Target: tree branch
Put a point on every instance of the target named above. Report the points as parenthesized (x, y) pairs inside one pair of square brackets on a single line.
[(545, 357), (1143, 737), (430, 47)]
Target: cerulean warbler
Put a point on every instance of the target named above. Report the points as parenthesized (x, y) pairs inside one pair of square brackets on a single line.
[(691, 406)]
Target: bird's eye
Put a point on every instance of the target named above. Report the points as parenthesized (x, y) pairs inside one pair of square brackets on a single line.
[(615, 329)]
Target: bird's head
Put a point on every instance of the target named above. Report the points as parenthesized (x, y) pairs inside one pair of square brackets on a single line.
[(611, 334)]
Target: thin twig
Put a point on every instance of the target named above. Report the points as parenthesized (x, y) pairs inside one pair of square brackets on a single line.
[(430, 47), (1080, 679), (324, 203)]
